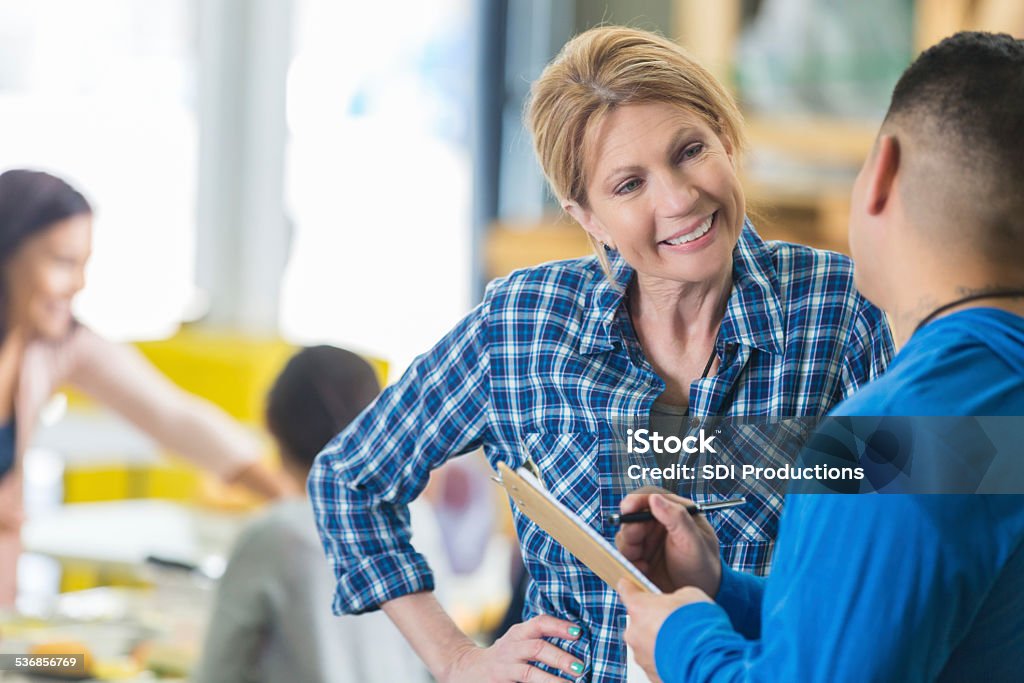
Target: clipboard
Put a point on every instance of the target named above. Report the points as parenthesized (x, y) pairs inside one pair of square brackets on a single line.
[(565, 526)]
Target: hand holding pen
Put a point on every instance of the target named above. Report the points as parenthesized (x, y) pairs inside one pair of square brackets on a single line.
[(680, 550), (618, 519)]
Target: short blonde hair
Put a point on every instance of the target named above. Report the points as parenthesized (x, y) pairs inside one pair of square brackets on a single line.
[(605, 68)]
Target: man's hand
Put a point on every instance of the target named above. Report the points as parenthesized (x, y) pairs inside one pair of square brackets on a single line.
[(675, 549), (647, 612)]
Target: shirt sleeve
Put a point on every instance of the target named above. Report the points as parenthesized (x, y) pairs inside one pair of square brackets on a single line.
[(847, 600), (870, 348), (740, 594), (120, 377), (362, 482)]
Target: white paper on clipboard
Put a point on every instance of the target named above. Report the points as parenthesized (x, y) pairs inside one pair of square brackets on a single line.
[(565, 526), (634, 674)]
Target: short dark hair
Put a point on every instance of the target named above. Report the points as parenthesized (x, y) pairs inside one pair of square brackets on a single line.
[(966, 94), (321, 390)]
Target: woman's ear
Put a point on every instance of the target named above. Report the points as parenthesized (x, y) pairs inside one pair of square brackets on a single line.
[(730, 149), (588, 221), (727, 143)]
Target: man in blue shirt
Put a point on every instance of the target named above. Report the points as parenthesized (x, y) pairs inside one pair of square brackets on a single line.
[(887, 587)]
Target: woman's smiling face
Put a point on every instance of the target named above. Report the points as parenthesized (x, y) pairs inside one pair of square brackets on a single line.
[(45, 274), (662, 190)]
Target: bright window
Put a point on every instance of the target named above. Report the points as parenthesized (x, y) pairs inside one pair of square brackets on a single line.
[(378, 179)]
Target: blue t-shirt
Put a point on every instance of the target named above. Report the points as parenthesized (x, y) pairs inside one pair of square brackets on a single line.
[(884, 587)]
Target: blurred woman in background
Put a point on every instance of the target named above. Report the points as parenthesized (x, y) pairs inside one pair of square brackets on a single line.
[(45, 242)]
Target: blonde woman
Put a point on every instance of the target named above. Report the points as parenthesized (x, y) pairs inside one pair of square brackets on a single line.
[(684, 312)]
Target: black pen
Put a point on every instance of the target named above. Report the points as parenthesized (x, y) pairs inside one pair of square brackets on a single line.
[(618, 519)]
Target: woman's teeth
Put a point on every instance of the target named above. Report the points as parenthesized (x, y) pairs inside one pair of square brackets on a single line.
[(696, 234)]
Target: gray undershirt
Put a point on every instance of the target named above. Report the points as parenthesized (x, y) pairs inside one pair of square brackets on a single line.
[(668, 420)]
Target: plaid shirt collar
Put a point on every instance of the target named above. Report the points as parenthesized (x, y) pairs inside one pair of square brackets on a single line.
[(753, 315)]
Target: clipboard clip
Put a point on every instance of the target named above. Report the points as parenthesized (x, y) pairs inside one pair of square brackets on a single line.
[(528, 464)]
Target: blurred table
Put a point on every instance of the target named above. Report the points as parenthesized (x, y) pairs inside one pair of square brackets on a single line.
[(127, 532), (156, 618)]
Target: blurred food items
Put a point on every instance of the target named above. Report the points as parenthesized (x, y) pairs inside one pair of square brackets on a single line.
[(123, 634), (58, 650)]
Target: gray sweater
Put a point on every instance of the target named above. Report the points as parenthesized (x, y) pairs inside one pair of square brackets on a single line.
[(272, 618)]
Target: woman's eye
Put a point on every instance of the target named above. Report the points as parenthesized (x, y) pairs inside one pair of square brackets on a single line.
[(693, 150), (628, 186)]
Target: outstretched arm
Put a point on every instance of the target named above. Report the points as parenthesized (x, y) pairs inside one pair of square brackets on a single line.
[(120, 377)]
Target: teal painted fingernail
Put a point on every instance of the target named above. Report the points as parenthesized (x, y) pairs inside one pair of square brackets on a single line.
[(576, 667), (575, 631)]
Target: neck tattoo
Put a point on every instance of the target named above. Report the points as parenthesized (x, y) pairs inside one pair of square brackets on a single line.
[(1008, 293)]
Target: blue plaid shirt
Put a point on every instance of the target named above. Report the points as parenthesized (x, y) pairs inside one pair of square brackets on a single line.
[(549, 361)]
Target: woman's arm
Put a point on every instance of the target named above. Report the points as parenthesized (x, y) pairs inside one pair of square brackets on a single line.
[(120, 377), (259, 478), (452, 657), (362, 483)]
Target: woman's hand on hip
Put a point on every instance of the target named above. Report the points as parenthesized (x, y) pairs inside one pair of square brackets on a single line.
[(512, 658), (675, 549)]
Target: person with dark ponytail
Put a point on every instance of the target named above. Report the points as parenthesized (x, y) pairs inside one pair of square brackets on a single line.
[(45, 243)]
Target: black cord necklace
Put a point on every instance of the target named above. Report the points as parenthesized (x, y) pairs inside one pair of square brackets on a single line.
[(711, 360), (993, 294), (707, 368)]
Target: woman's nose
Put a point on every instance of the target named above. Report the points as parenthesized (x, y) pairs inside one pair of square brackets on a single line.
[(78, 281), (674, 195)]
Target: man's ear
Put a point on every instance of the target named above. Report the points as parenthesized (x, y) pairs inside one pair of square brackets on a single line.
[(585, 217), (882, 170)]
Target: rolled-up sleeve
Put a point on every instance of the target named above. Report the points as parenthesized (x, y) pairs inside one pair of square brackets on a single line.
[(363, 480)]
